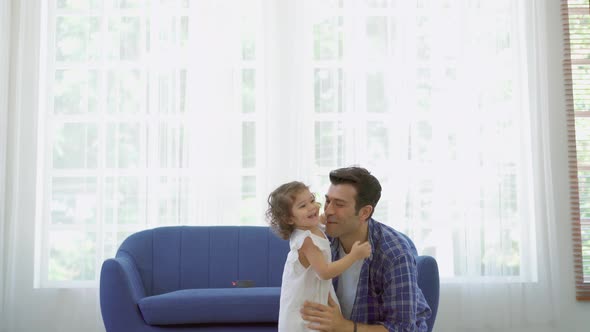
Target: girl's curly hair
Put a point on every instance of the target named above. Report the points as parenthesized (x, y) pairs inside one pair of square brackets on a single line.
[(280, 204)]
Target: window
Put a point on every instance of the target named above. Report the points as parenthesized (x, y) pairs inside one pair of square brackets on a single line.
[(433, 106), (577, 71), (171, 112), (120, 136)]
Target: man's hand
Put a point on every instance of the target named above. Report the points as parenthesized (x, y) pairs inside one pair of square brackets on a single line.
[(325, 318)]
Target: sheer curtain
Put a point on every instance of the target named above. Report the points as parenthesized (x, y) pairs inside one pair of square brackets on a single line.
[(23, 307), (445, 103), (190, 112), (500, 299), (5, 12)]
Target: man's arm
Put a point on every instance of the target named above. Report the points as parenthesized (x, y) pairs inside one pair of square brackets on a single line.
[(400, 293), (399, 300), (370, 328), (329, 319)]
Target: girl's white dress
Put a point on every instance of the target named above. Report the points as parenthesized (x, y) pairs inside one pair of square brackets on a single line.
[(301, 284)]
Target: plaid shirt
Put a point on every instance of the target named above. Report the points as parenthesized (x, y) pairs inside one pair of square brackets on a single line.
[(387, 291)]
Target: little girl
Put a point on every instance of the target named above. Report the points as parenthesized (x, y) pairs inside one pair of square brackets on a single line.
[(293, 214)]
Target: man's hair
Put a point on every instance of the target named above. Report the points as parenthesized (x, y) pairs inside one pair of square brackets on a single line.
[(368, 188), (280, 205)]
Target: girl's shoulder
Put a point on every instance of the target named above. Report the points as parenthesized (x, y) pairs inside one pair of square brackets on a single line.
[(298, 236)]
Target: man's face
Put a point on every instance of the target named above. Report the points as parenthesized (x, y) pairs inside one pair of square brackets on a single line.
[(342, 219)]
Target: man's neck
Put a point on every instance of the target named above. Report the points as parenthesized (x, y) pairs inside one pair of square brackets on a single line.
[(362, 235)]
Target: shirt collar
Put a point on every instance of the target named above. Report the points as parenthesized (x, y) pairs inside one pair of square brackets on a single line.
[(370, 236)]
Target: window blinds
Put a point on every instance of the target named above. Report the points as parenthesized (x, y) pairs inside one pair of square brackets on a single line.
[(576, 63)]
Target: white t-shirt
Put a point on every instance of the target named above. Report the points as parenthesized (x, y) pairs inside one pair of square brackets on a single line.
[(347, 284), (301, 284)]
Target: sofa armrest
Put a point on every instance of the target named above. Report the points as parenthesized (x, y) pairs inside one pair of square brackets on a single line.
[(429, 283), (120, 290)]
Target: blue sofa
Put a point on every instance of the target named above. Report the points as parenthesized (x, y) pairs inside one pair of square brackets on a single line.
[(180, 279)]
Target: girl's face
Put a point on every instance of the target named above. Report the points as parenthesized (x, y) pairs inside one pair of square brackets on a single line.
[(305, 210)]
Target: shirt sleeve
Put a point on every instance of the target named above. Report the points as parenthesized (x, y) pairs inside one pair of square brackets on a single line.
[(400, 296)]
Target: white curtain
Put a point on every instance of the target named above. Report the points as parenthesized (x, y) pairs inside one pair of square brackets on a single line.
[(201, 124), (505, 304), (4, 70), (24, 307)]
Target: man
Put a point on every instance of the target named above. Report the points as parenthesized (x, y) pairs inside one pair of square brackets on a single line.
[(380, 293)]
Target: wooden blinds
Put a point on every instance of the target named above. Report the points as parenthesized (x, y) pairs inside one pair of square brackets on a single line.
[(576, 66)]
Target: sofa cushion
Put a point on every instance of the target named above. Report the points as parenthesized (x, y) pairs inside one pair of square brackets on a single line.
[(212, 305)]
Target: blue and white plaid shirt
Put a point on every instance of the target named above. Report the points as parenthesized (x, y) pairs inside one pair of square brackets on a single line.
[(387, 292)]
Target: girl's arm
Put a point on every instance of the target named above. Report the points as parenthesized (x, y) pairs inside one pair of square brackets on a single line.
[(327, 270)]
